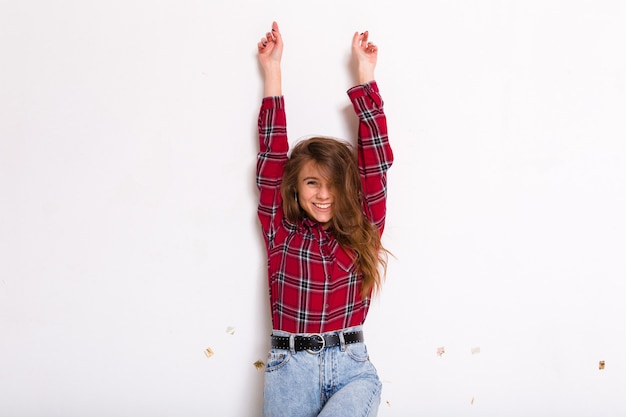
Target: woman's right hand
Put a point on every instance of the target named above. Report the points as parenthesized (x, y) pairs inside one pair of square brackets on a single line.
[(270, 52), (270, 48)]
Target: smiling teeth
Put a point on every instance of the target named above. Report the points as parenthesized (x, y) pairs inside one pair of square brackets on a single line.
[(323, 206)]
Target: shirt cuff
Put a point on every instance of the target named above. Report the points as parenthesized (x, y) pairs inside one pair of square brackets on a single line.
[(362, 89), (369, 89), (273, 102)]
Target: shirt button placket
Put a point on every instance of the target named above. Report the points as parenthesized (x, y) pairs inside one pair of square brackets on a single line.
[(323, 250)]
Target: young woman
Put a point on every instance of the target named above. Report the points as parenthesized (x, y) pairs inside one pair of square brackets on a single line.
[(322, 211)]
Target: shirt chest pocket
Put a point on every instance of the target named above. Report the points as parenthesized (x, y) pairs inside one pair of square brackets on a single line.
[(345, 267)]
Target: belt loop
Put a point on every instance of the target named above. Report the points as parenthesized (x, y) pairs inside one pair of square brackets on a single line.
[(292, 343), (342, 341)]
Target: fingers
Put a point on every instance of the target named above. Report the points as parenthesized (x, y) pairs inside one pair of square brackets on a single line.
[(276, 36), (265, 41), (356, 39), (270, 37), (360, 41)]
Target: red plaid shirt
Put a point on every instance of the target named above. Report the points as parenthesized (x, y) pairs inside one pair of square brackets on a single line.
[(314, 285)]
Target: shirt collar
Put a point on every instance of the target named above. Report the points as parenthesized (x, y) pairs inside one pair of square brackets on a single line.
[(310, 224)]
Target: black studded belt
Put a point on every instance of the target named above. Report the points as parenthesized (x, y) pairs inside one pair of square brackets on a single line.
[(315, 343)]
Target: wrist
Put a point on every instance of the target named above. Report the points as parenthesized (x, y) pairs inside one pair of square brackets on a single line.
[(270, 67), (273, 84), (365, 75), (365, 71)]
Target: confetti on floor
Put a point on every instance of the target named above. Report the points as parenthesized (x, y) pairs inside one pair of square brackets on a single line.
[(230, 330), (388, 403), (475, 350), (208, 352), (259, 365), (441, 350), (472, 402), (601, 366)]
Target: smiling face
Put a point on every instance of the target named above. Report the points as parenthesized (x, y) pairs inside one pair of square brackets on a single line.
[(315, 194)]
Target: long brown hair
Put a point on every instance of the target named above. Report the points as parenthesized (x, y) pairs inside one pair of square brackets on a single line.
[(351, 228)]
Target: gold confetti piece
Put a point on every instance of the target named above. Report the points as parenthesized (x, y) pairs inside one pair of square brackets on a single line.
[(475, 350), (472, 402), (259, 365), (230, 330), (601, 366), (208, 352), (388, 403), (441, 350)]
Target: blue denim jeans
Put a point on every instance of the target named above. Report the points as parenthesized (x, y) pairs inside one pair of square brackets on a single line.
[(339, 381)]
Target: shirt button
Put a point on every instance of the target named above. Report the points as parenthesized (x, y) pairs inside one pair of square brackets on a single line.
[(328, 277), (326, 306)]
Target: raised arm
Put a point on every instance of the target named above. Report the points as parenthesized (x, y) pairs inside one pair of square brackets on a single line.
[(273, 144), (270, 51), (375, 156)]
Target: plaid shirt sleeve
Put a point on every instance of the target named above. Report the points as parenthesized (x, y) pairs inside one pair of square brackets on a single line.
[(271, 159), (375, 156)]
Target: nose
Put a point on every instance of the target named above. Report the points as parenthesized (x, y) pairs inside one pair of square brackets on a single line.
[(324, 192)]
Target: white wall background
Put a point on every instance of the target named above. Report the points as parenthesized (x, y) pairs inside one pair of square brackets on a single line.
[(128, 234)]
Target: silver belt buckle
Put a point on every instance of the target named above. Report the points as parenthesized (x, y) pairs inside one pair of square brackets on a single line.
[(314, 352)]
